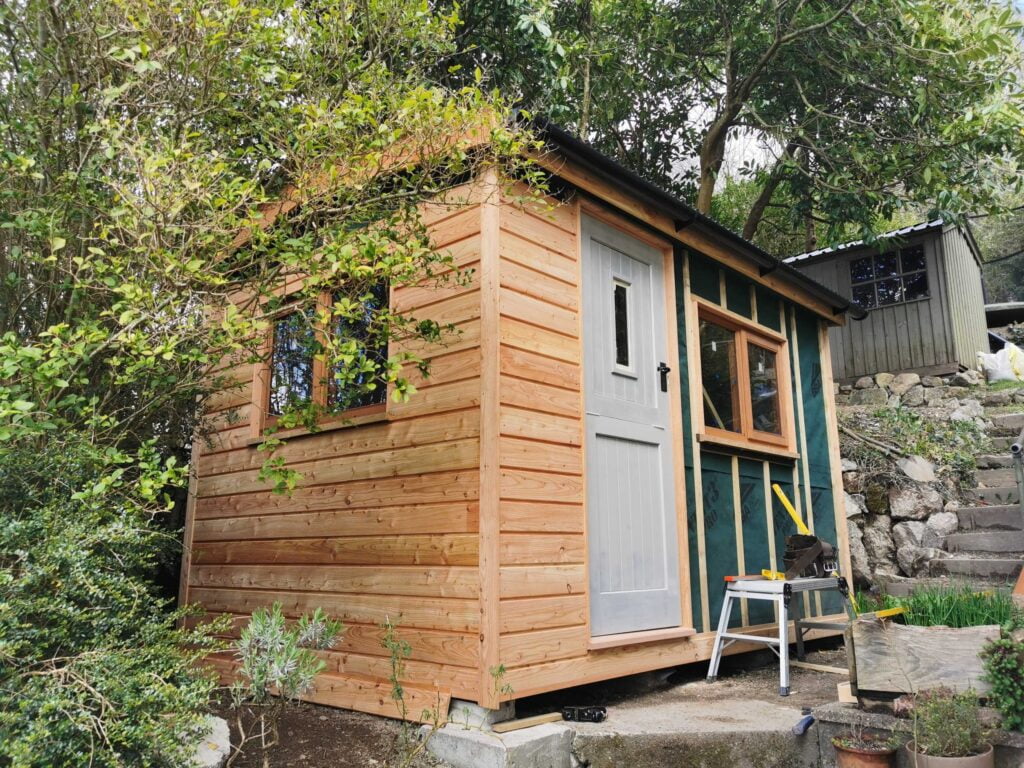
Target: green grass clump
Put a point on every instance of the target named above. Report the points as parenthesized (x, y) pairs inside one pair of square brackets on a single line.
[(955, 606)]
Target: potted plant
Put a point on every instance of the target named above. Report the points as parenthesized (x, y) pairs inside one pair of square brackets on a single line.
[(948, 732), (858, 749)]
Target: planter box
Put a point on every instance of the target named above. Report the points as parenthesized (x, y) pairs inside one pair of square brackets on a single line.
[(891, 658)]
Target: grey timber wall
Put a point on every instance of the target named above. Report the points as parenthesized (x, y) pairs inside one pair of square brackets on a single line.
[(915, 336), (966, 297)]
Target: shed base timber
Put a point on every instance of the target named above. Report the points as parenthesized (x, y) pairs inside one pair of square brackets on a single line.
[(427, 705)]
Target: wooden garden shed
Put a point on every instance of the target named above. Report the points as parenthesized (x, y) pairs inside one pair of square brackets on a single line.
[(923, 292), (591, 455)]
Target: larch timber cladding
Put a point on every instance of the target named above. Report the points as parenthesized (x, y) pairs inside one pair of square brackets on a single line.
[(384, 522), (542, 579)]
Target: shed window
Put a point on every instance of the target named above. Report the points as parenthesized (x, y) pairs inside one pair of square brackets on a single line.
[(620, 306), (744, 380), (298, 374), (889, 278)]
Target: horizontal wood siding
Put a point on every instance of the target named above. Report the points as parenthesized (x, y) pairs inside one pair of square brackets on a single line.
[(383, 524)]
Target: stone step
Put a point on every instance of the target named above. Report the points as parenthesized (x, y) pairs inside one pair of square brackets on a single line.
[(1005, 516), (1002, 477), (1008, 424), (994, 460), (991, 542), (1004, 568), (903, 586), (1004, 495), (1001, 442)]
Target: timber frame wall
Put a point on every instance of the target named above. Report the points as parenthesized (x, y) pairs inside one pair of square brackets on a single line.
[(461, 516)]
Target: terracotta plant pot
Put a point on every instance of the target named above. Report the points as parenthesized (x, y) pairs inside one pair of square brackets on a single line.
[(986, 759), (853, 757)]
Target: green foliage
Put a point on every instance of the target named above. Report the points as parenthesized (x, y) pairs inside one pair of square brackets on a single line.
[(947, 724), (92, 669), (1004, 672), (956, 605), (278, 664)]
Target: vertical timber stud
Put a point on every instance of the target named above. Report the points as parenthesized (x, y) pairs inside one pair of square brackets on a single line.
[(831, 424), (801, 484), (737, 510), (490, 526), (696, 420), (190, 521)]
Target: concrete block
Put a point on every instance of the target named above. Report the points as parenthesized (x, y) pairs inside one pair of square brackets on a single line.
[(542, 746), (471, 715)]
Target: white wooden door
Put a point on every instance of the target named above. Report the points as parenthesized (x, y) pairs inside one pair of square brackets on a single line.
[(631, 514)]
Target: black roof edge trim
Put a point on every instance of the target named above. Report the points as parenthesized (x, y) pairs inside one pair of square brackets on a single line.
[(677, 210)]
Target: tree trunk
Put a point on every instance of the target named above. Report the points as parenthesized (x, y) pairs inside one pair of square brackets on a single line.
[(764, 197)]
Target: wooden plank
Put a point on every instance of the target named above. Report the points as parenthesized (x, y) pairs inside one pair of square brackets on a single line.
[(520, 335), (519, 453), (416, 299), (188, 535), (819, 667), (541, 548), (438, 399), (443, 549), (543, 580), (490, 460), (450, 230), (525, 648), (535, 613), (456, 517), (522, 485), (361, 579), (527, 722), (520, 306), (416, 459), (533, 279), (540, 397), (444, 368), (427, 488), (541, 516), (516, 422), (459, 681), (535, 367), (535, 229), (546, 207), (896, 658), (422, 612), (465, 336)]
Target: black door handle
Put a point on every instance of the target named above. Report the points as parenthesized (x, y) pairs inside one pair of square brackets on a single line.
[(664, 371)]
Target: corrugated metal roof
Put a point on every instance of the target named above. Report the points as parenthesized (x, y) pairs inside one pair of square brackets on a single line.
[(913, 229)]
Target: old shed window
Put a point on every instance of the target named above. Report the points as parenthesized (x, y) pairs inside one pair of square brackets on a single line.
[(298, 372), (744, 379), (889, 278)]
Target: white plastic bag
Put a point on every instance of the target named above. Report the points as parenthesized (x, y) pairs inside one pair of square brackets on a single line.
[(1005, 365)]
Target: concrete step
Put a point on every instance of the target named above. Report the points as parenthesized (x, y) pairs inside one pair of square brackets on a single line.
[(1003, 568), (1009, 424), (1005, 517), (1004, 495), (996, 478), (989, 542), (902, 586), (1001, 442), (994, 460)]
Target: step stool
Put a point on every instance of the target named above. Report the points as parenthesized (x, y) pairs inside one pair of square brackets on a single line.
[(781, 593)]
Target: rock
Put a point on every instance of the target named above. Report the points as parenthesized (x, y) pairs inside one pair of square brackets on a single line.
[(877, 499), (212, 750), (914, 502), (853, 482), (931, 381), (958, 391), (845, 389), (877, 537), (934, 396), (968, 378), (893, 401), (873, 396), (942, 524), (848, 465), (854, 505), (908, 532), (951, 506), (858, 555), (918, 468), (883, 379), (997, 398), (913, 396), (864, 382), (1018, 396), (842, 400), (835, 388), (914, 561), (968, 411), (903, 382)]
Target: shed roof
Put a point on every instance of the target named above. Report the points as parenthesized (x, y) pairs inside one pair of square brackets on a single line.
[(913, 229), (685, 215)]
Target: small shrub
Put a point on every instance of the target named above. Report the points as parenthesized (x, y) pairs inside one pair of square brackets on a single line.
[(1004, 671), (278, 665), (947, 724)]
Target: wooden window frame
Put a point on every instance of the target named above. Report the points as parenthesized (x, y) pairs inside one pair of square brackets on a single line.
[(748, 332), (350, 417), (900, 275)]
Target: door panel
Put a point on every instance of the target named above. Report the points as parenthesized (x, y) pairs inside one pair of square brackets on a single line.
[(631, 515)]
